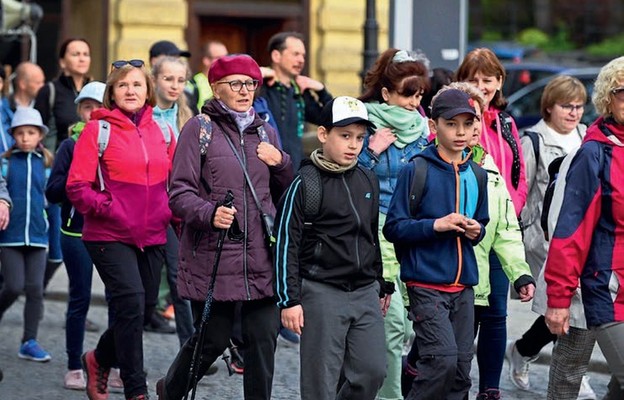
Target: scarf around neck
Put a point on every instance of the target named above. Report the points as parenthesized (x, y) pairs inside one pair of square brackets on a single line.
[(408, 126), (328, 165), (242, 119)]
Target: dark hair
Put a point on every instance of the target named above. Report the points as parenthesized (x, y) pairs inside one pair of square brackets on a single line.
[(404, 77), (66, 42), (483, 60), (278, 41), (440, 77)]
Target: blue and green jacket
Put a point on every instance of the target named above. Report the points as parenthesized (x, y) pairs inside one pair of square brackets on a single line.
[(427, 256), (25, 176)]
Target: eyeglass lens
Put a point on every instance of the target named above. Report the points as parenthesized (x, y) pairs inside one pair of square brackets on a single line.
[(237, 85), (618, 93), (572, 107)]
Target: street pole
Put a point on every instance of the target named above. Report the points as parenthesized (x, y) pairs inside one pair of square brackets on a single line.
[(371, 30)]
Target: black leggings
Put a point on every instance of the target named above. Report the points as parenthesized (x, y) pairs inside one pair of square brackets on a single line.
[(132, 277)]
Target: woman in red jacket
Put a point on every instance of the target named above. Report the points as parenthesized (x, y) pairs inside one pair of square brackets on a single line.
[(122, 194)]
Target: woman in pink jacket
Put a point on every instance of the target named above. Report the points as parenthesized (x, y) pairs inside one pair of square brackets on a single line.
[(121, 190)]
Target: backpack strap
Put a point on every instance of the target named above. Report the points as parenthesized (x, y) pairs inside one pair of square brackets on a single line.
[(165, 129), (418, 183), (205, 137), (312, 191), (534, 136), (102, 141), (262, 134), (481, 175), (52, 96)]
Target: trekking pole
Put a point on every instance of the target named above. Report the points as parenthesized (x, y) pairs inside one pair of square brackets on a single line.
[(197, 351)]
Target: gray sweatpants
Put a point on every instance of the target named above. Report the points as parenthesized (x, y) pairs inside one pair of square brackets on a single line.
[(343, 333)]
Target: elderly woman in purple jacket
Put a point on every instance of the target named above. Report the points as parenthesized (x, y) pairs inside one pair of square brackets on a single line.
[(245, 273)]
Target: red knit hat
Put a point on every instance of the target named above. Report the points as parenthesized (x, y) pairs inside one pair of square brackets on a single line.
[(234, 64)]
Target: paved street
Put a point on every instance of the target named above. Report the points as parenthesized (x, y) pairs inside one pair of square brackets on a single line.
[(30, 380)]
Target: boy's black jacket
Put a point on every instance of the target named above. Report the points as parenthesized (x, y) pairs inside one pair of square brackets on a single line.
[(340, 246)]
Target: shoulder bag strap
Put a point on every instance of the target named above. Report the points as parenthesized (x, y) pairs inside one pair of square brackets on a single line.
[(240, 161)]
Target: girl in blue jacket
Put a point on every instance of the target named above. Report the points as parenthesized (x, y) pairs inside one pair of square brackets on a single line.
[(25, 241)]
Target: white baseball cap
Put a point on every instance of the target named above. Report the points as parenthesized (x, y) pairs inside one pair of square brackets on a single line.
[(343, 111)]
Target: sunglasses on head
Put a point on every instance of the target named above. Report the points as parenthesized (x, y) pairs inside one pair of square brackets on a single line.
[(120, 63)]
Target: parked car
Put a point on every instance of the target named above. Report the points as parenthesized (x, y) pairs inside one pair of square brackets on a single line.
[(524, 104), (523, 74)]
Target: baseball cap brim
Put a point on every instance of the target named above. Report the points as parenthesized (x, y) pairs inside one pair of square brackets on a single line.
[(355, 120), (456, 111)]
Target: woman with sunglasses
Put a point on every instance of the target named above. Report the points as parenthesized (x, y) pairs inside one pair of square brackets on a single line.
[(235, 139), (587, 242), (121, 191), (394, 87), (555, 135)]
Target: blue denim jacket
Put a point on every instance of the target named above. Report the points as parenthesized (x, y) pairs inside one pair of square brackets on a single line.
[(388, 165)]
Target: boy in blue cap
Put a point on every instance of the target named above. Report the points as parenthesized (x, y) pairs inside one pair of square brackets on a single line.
[(434, 233)]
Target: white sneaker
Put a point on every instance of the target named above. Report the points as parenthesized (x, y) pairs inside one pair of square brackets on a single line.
[(586, 392), (115, 384), (518, 366), (74, 380)]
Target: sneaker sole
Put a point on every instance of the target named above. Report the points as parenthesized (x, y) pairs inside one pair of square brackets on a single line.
[(31, 358)]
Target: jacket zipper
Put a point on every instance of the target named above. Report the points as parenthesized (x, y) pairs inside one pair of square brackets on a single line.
[(359, 222), (245, 215), (147, 167), (28, 198), (458, 240)]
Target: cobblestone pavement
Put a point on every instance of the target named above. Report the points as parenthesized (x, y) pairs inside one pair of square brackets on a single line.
[(30, 380)]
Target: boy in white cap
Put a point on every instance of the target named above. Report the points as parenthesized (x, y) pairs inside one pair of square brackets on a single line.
[(76, 258), (328, 265)]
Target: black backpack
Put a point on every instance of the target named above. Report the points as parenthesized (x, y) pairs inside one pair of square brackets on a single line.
[(420, 178), (313, 188)]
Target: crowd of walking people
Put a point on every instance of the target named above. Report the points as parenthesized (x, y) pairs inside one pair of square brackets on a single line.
[(404, 230)]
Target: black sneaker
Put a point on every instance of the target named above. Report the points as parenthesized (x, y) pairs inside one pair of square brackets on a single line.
[(158, 324)]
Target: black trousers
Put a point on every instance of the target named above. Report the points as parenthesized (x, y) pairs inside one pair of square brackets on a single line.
[(132, 277), (260, 326)]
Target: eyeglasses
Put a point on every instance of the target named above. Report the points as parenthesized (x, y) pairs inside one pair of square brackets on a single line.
[(120, 63), (618, 93), (237, 85), (571, 107)]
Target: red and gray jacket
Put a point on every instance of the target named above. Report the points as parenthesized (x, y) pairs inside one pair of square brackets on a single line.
[(588, 240), (133, 207)]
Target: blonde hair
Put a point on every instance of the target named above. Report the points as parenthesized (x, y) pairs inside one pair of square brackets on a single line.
[(184, 111), (48, 156), (610, 77)]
